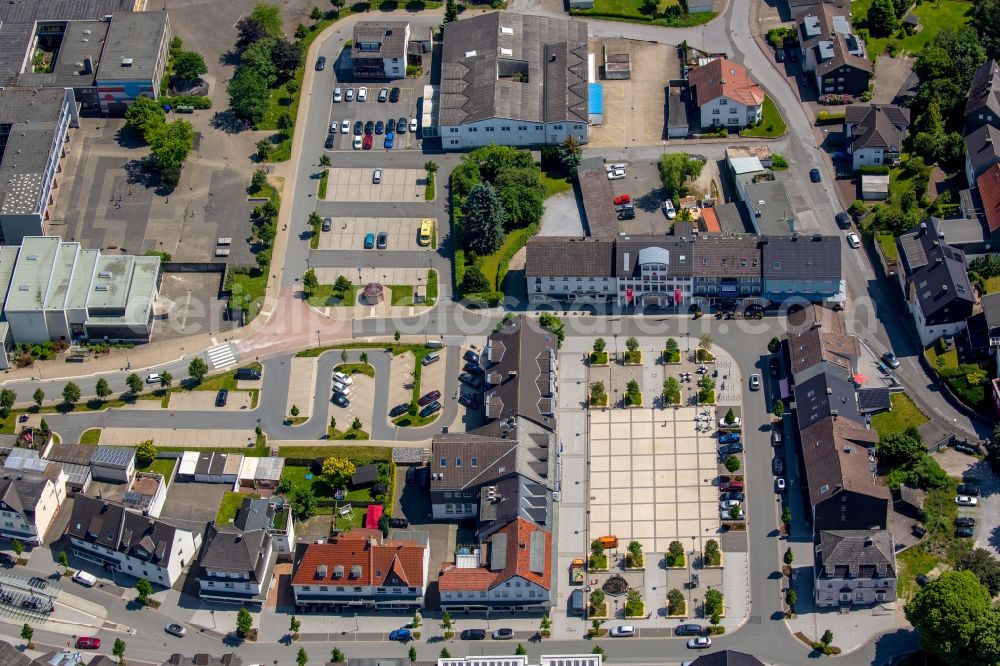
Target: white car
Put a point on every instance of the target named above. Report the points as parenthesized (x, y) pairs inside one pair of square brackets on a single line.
[(333, 127), (349, 95), (729, 504), (413, 125), (153, 378), (735, 424), (85, 579), (343, 378), (779, 485), (725, 515), (338, 95), (341, 388), (966, 500), (755, 382), (853, 240), (624, 631), (357, 143), (345, 127), (614, 167), (668, 208), (617, 174), (362, 94), (700, 643)]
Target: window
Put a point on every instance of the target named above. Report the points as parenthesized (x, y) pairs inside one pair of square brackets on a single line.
[(324, 588), (558, 127), (505, 128), (475, 461), (715, 112), (723, 102), (538, 128), (453, 130), (489, 129), (733, 111), (458, 462), (444, 462)]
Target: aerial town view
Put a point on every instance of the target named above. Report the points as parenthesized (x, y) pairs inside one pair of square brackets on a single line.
[(499, 333)]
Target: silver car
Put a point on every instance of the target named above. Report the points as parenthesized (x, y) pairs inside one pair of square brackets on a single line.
[(175, 630)]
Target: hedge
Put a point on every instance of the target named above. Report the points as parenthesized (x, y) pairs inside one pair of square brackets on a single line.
[(504, 264), (827, 118), (875, 170), (490, 298), (197, 101)]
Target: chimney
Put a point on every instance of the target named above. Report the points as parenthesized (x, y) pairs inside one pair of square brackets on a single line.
[(923, 228), (944, 288), (869, 542)]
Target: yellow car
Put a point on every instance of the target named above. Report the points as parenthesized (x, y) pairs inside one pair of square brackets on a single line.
[(426, 229)]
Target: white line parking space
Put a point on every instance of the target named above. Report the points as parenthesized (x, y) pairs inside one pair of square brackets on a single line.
[(348, 233), (356, 185), (414, 276)]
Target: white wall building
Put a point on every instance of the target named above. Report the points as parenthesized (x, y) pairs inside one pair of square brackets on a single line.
[(726, 95), (29, 501)]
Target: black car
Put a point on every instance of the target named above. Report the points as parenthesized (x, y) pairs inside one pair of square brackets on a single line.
[(969, 490), (399, 410), (474, 368), (689, 630), (401, 126), (964, 531), (732, 495), (329, 142), (843, 220), (730, 449), (320, 63), (327, 224), (411, 475), (965, 521), (626, 214), (471, 356), (390, 126), (383, 240), (341, 400), (814, 175), (359, 128), (428, 398), (472, 380), (401, 523), (248, 374), (474, 635), (777, 465), (394, 95), (369, 127), (222, 398), (379, 127), (430, 409), (779, 55), (470, 401)]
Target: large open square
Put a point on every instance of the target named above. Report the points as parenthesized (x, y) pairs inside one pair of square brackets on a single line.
[(652, 477)]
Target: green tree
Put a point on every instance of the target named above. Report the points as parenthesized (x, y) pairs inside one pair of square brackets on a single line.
[(294, 411), (356, 424), (171, 143), (269, 18), (713, 602), (315, 14), (264, 148), (143, 114), (39, 397), (102, 389), (119, 650), (599, 345), (26, 635), (553, 325), (258, 180), (732, 464), (446, 622), (791, 597), (444, 651), (597, 598), (676, 169), (986, 18), (43, 426), (786, 516), (17, 546), (294, 625), (336, 656), (248, 97), (363, 357), (827, 638), (341, 285), (946, 613), (675, 602), (166, 379), (773, 345), (671, 391), (520, 650), (430, 166), (450, 11), (189, 66), (730, 417), (133, 383), (324, 160), (632, 344), (412, 654), (145, 453), (675, 554), (303, 504), (899, 449), (244, 623), (484, 220), (71, 393), (881, 19), (197, 369), (474, 282), (985, 566), (789, 557), (570, 155), (338, 471), (144, 589), (64, 560), (309, 281), (779, 408), (7, 400), (301, 658)]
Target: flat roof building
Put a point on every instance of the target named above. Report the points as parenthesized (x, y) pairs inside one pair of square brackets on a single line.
[(134, 59)]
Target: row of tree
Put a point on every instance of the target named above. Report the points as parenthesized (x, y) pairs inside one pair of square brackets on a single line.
[(267, 60)]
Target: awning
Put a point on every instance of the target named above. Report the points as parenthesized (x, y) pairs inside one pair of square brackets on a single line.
[(860, 379), (783, 385)]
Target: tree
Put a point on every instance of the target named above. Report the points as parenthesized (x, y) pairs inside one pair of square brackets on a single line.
[(599, 345), (396, 335), (713, 602), (993, 449), (294, 625), (286, 56), (986, 18), (259, 179), (356, 424), (671, 391), (303, 504), (171, 143), (523, 195), (26, 634), (39, 397), (881, 19), (705, 342), (827, 638), (133, 383), (248, 96), (189, 66), (412, 654), (676, 169), (474, 282), (789, 557), (446, 622), (269, 17), (444, 651), (315, 14), (985, 566), (732, 464), (899, 449), (144, 589), (324, 160), (450, 11), (249, 30), (675, 602), (417, 619), (336, 656), (520, 650), (197, 369), (294, 411), (71, 393), (553, 325), (64, 560), (264, 147), (713, 556), (570, 155), (484, 220), (545, 626), (363, 357), (597, 598), (779, 408), (675, 554), (143, 114), (145, 453), (166, 379), (730, 417), (102, 389), (119, 650), (786, 515), (791, 597), (7, 400), (301, 658), (244, 623), (599, 650), (632, 344), (43, 426), (309, 281), (430, 166), (338, 471), (773, 345), (945, 613), (17, 546)]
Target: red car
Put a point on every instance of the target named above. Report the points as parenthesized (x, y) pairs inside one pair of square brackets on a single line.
[(88, 643), (367, 144), (622, 199), (429, 398), (726, 486)]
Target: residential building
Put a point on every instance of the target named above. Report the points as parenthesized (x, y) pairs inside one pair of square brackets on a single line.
[(361, 569), (273, 516), (935, 282), (726, 271), (11, 656), (571, 269), (236, 566), (839, 457), (600, 215), (767, 204), (34, 131), (854, 568), (803, 269), (988, 191), (544, 660), (29, 502), (113, 463), (74, 478), (118, 539), (984, 326), (228, 659), (520, 373), (55, 290), (726, 658), (983, 105), (511, 79), (511, 571), (209, 467), (678, 124), (726, 95), (379, 49), (982, 150), (134, 59), (830, 50), (818, 343), (874, 133), (146, 494)]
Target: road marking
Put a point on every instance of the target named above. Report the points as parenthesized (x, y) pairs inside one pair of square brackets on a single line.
[(221, 356)]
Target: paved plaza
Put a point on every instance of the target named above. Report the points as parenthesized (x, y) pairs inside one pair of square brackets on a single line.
[(356, 185), (652, 478)]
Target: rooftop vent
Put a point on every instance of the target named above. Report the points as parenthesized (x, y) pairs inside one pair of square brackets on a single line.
[(126, 62), (101, 287), (104, 274), (506, 31), (470, 54)]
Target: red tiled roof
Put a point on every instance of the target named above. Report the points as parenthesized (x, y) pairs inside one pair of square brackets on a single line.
[(723, 77), (382, 562), (517, 562), (989, 190), (711, 221)]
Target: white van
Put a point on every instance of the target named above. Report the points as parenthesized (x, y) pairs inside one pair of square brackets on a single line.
[(433, 357), (85, 579), (153, 378)]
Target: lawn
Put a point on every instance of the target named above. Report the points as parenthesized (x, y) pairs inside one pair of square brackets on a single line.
[(323, 180), (933, 17), (356, 369), (91, 437), (429, 187), (407, 421), (904, 414), (992, 285), (630, 11), (912, 563), (402, 294), (230, 505), (772, 124), (225, 380), (350, 434), (326, 296), (491, 263), (432, 286), (555, 184), (162, 466), (888, 244), (949, 359), (359, 455), (249, 287)]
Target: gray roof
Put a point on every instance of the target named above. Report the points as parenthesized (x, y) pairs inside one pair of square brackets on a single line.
[(877, 126), (855, 554), (254, 514), (598, 201), (874, 399), (489, 454), (677, 108), (937, 272), (823, 394), (983, 148), (725, 257), (481, 53), (228, 659), (551, 256), (827, 31), (111, 526), (76, 454), (114, 456), (964, 230), (678, 252), (727, 658), (984, 92), (775, 216), (802, 258), (132, 49), (515, 497), (229, 550), (388, 35), (520, 362), (81, 40), (33, 116), (21, 490), (733, 218), (11, 656)]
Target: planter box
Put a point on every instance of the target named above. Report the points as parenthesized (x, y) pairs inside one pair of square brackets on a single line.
[(663, 357), (720, 565), (626, 361)]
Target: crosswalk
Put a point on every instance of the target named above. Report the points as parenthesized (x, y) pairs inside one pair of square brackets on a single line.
[(221, 356)]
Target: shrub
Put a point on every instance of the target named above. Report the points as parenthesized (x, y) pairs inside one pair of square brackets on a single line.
[(713, 556), (675, 602), (675, 554)]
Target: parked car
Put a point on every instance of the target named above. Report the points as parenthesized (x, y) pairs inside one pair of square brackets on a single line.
[(964, 531), (428, 398), (377, 176), (320, 63), (175, 630), (613, 167), (362, 94), (729, 504), (411, 474), (401, 126), (622, 631), (88, 643), (369, 240), (779, 485), (474, 368), (430, 409), (222, 398), (471, 356), (843, 220), (730, 450), (343, 378), (777, 465), (965, 521), (390, 126), (814, 175), (853, 240), (357, 144), (338, 95), (735, 424), (700, 643), (793, 55), (248, 374), (383, 240), (327, 224), (668, 209), (472, 380), (85, 579), (727, 486), (402, 635), (349, 95), (341, 400), (399, 523), (755, 382), (617, 174), (730, 438), (473, 635), (383, 94), (342, 389), (774, 366), (367, 143), (890, 360), (153, 378), (345, 126), (969, 489), (379, 127), (359, 128), (965, 500), (390, 140), (779, 55), (622, 199), (413, 125), (394, 95), (470, 401), (689, 630), (328, 144), (504, 634), (399, 410), (369, 127), (726, 515), (732, 495)]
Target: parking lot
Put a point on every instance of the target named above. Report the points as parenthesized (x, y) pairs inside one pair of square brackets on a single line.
[(357, 185), (190, 505), (410, 91), (362, 399), (348, 233)]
